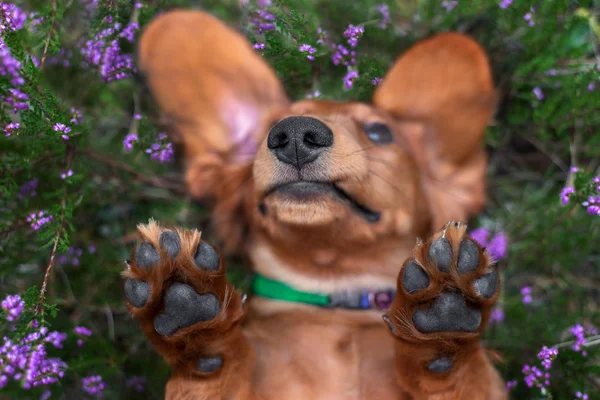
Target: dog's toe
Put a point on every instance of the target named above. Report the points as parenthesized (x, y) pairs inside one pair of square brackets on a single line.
[(468, 256), (146, 256), (206, 257), (414, 278), (440, 253), (185, 307), (440, 365), (208, 365), (170, 242), (137, 292), (487, 284)]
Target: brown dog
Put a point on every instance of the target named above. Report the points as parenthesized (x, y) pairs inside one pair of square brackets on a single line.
[(326, 200)]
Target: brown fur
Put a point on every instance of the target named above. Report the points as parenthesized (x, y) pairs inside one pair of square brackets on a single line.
[(221, 100)]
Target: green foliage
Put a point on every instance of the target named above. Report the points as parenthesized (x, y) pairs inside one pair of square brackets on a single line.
[(532, 143)]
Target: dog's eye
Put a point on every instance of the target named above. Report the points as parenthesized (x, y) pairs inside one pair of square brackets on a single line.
[(379, 133)]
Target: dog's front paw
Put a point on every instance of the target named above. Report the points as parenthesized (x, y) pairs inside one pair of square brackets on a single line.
[(445, 292), (176, 288)]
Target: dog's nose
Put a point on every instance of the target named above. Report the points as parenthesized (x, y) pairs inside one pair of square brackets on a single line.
[(299, 140)]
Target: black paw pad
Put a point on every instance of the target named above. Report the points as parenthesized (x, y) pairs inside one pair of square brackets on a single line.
[(171, 243), (146, 256), (448, 313), (184, 307), (440, 252), (209, 364), (414, 277), (487, 284), (206, 257), (468, 256), (441, 365), (137, 292)]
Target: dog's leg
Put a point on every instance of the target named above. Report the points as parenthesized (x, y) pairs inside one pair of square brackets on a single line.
[(177, 290), (445, 294)]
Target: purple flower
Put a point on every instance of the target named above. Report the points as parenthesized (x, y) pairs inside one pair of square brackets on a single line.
[(259, 46), (497, 315), (76, 117), (136, 382), (67, 174), (14, 306), (343, 56), (129, 140), (12, 18), (547, 355), (28, 189), (349, 79), (56, 338), (505, 3), (323, 38), (593, 210), (314, 94), (93, 385), (62, 128), (384, 10), (11, 128), (137, 117), (83, 331), (511, 384), (579, 332), (309, 50), (565, 194), (38, 220), (498, 246), (582, 396), (529, 17), (538, 93), (376, 81), (353, 33), (449, 5), (161, 150), (9, 66), (526, 294), (481, 236), (129, 32), (17, 99), (591, 86)]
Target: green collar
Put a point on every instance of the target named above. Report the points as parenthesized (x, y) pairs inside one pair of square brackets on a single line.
[(363, 299)]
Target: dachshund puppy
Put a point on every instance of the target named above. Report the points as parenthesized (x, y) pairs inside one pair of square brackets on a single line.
[(326, 200)]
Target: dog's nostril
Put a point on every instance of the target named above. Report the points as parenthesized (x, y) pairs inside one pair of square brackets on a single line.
[(318, 139), (278, 140)]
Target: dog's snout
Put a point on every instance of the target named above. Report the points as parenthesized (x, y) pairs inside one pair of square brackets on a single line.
[(299, 140)]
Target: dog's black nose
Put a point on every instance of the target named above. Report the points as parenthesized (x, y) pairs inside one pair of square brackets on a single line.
[(299, 140)]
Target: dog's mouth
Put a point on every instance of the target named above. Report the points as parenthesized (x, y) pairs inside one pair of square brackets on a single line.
[(308, 190)]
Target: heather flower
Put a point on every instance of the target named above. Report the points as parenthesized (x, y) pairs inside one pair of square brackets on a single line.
[(353, 33), (505, 3), (376, 81), (67, 174), (56, 338), (9, 66), (449, 5), (323, 37), (259, 46), (309, 50), (10, 128), (384, 10), (579, 332), (12, 18), (498, 246), (161, 150), (128, 33), (83, 331), (343, 56), (93, 385), (565, 193), (14, 306), (129, 140), (480, 235), (136, 382), (314, 94), (547, 355), (582, 396), (92, 249), (529, 17), (591, 86), (262, 19), (497, 315), (38, 220), (137, 117), (511, 384), (17, 99), (349, 79), (59, 127), (76, 117), (46, 395), (538, 93), (28, 189), (526, 294)]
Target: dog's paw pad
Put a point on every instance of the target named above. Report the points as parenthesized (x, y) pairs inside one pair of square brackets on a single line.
[(208, 365), (414, 278), (487, 284), (185, 307), (468, 256), (440, 252), (448, 313), (137, 292), (146, 256), (171, 243), (441, 365), (206, 257)]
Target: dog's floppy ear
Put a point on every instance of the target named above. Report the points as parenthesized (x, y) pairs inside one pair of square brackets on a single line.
[(213, 88), (444, 86)]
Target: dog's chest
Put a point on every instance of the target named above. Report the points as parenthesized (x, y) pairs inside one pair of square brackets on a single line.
[(315, 360)]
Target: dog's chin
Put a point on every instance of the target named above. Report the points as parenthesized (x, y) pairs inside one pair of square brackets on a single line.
[(314, 204)]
